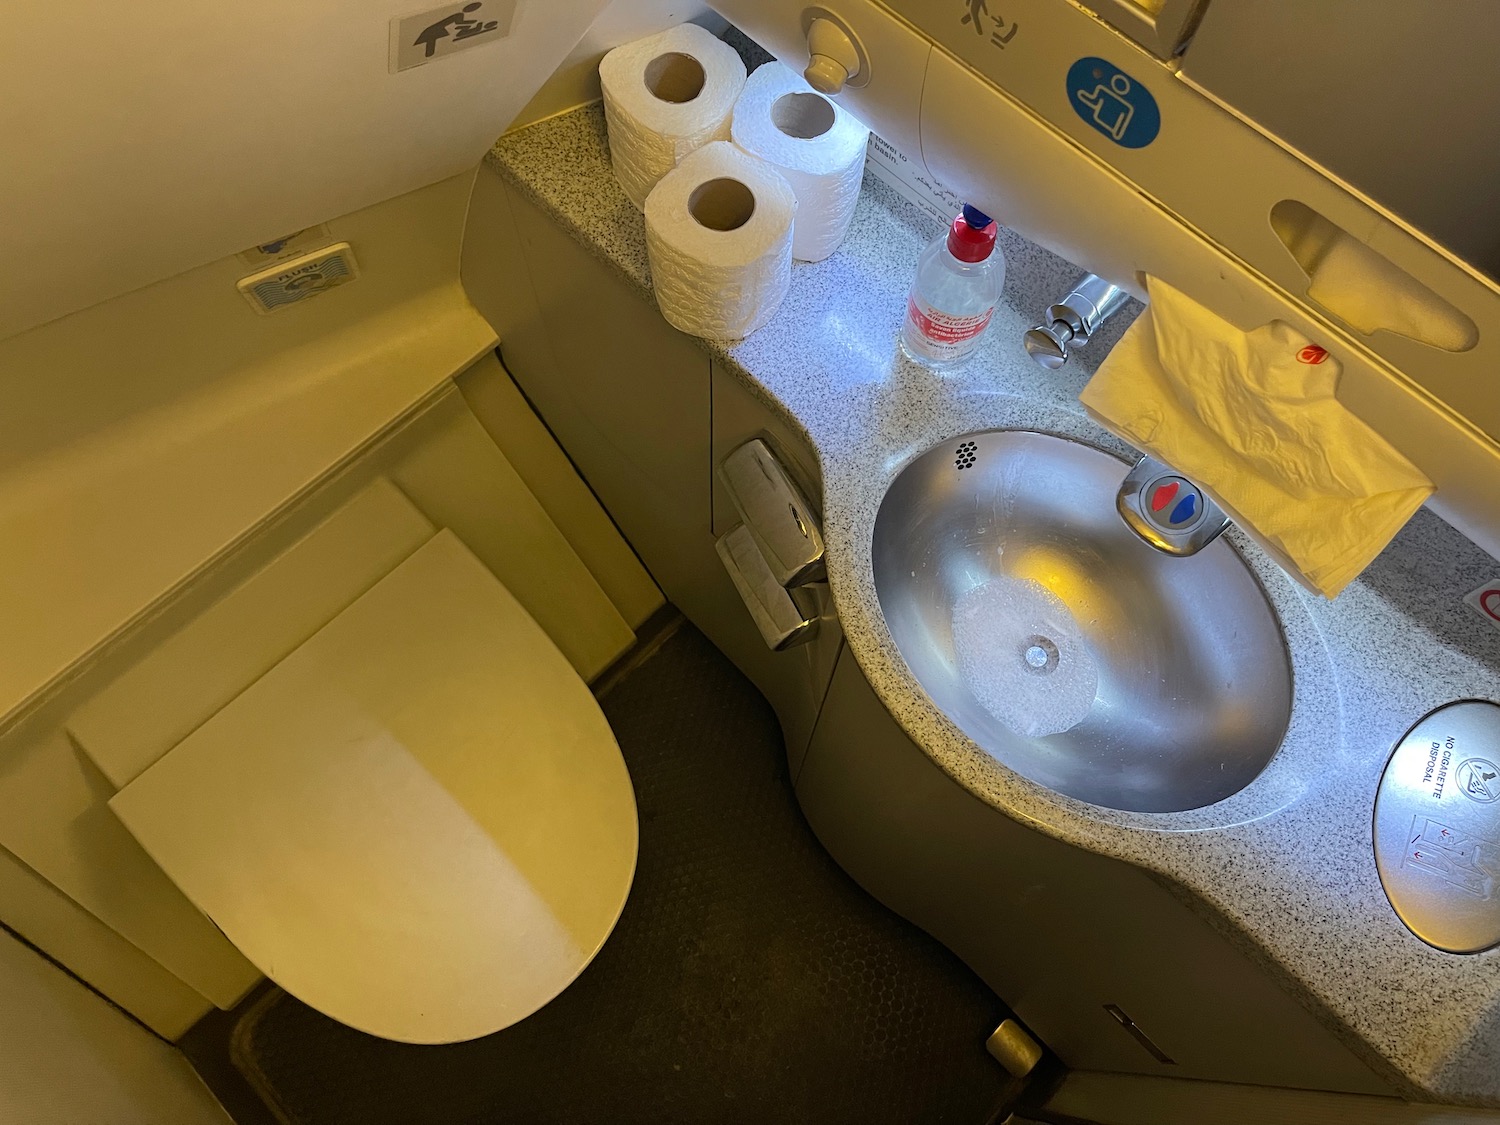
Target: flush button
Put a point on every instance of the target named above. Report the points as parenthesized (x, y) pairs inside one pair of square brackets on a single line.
[(1437, 828)]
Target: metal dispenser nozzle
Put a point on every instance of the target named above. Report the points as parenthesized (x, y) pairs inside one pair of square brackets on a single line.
[(1071, 321)]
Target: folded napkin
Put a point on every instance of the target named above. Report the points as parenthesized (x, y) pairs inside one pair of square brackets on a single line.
[(1252, 418), (1354, 282)]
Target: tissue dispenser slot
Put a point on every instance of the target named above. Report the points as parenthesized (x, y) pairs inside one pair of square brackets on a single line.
[(1364, 288)]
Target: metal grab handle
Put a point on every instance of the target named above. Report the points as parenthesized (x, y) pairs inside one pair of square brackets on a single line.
[(778, 613), (776, 513)]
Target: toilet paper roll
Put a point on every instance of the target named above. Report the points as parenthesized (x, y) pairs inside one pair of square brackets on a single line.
[(719, 239), (816, 144), (664, 96)]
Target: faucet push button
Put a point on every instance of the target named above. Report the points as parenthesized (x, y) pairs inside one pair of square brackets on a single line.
[(1167, 510), (1175, 505)]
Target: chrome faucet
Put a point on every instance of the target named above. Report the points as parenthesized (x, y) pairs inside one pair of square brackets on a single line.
[(1167, 510), (1070, 322), (1164, 508)]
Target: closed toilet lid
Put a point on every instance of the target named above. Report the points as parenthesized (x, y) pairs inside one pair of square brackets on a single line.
[(418, 823)]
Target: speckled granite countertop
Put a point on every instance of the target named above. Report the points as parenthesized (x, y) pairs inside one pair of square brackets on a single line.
[(1287, 862)]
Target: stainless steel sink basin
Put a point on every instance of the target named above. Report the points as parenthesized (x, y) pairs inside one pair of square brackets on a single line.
[(1062, 644)]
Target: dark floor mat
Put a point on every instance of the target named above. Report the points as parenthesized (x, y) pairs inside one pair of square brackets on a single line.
[(749, 980)]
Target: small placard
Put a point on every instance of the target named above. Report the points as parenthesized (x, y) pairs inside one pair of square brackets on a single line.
[(1486, 602), (289, 282), (440, 32), (911, 181), (286, 247)]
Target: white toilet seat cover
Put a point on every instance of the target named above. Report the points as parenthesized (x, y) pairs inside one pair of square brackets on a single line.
[(418, 823)]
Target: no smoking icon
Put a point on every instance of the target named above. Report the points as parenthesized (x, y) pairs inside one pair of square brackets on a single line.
[(1486, 602)]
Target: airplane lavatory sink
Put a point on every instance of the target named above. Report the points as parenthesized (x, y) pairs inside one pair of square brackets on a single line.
[(1066, 647)]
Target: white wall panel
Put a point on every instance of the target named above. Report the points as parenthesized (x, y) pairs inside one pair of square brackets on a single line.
[(144, 435), (68, 1058), (141, 140)]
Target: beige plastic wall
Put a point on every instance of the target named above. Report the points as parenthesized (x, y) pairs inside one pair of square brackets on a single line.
[(143, 438), (142, 140), (144, 435), (576, 79), (147, 436), (69, 1058)]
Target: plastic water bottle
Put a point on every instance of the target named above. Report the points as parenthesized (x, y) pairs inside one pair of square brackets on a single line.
[(954, 295)]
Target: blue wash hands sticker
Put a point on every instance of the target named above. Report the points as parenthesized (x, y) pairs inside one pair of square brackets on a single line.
[(1113, 102)]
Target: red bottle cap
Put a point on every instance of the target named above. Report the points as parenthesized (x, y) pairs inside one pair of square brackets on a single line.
[(968, 243)]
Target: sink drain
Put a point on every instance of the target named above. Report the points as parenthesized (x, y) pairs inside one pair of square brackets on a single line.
[(1022, 656), (1040, 655)]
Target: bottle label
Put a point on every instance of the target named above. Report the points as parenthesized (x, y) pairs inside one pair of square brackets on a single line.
[(946, 334)]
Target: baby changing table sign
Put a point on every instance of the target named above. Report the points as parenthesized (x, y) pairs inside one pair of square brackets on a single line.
[(440, 32), (1113, 102)]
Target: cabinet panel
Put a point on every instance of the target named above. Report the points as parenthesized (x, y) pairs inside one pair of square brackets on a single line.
[(1405, 110), (96, 954), (1057, 931), (496, 401), (625, 393), (1160, 26), (630, 400), (794, 680), (1130, 1099)]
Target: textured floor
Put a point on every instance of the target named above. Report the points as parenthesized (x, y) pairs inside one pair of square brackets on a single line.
[(749, 980)]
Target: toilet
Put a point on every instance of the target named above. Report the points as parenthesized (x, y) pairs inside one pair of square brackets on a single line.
[(417, 822)]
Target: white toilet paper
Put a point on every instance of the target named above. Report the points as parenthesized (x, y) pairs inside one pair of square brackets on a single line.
[(664, 96), (719, 239), (816, 144)]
